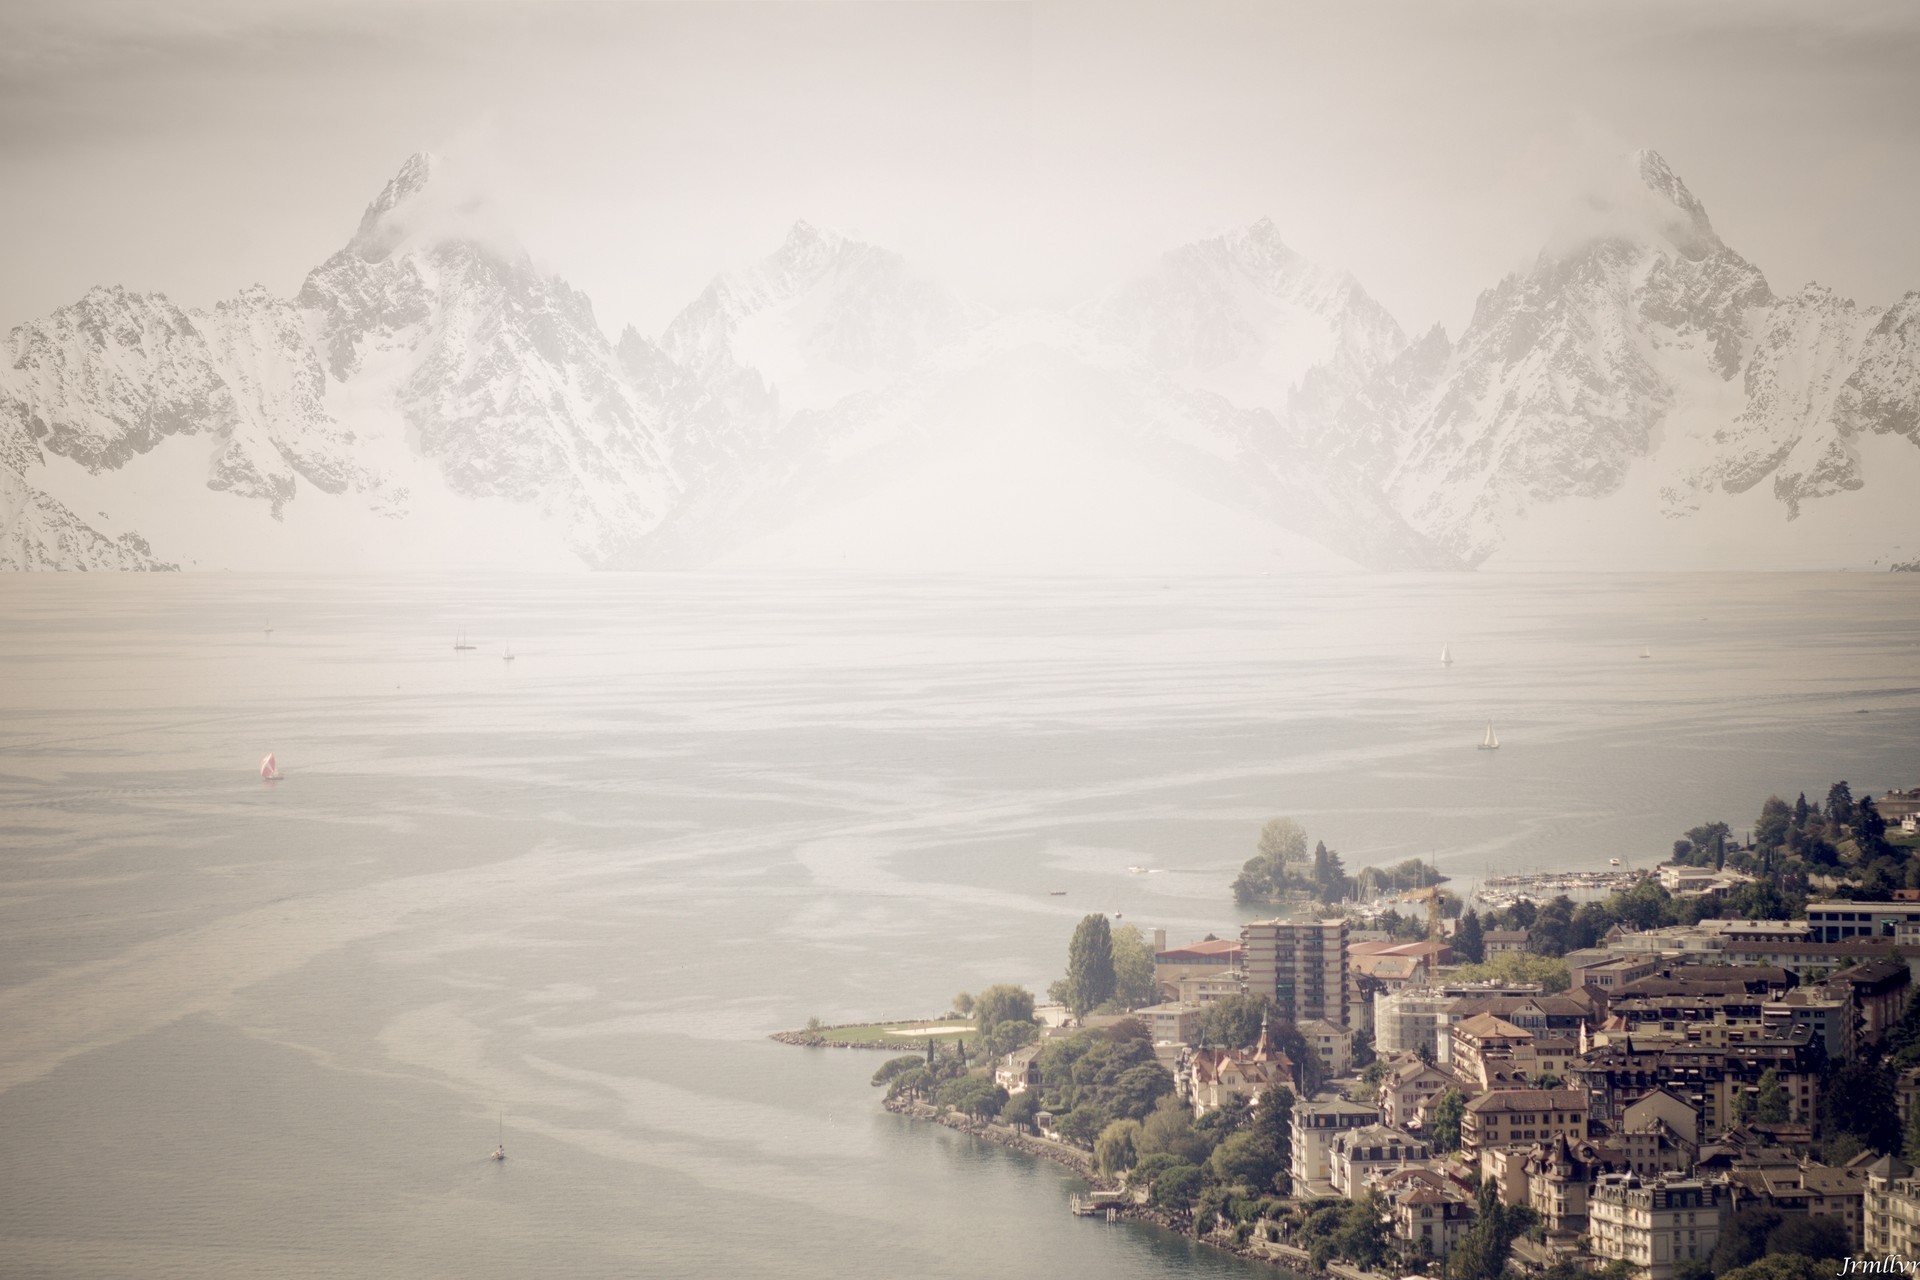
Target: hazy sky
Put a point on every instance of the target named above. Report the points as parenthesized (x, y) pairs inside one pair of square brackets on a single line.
[(1022, 152)]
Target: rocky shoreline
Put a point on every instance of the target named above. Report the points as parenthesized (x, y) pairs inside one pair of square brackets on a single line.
[(1081, 1163)]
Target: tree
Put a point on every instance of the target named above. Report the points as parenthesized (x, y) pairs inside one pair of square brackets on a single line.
[(1273, 1122), (1444, 1127), (1839, 806), (1132, 968), (1082, 1125), (1000, 1003), (1021, 1109), (1330, 881), (1115, 1153), (1552, 930), (1090, 965), (1281, 856), (1860, 1101), (1482, 1252), (1771, 1104), (1518, 966), (1170, 1129), (1245, 1159), (1178, 1187), (1469, 940), (893, 1067), (1362, 1237), (1776, 819), (963, 1004), (1151, 1167), (977, 1096), (1233, 1022), (1743, 1238), (1786, 1266), (1811, 1236)]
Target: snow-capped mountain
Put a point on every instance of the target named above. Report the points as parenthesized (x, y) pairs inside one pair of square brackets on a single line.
[(1638, 397), (426, 379)]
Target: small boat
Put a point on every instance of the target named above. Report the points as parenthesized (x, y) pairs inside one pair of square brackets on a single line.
[(1056, 893), (508, 656), (500, 1148), (1446, 655), (460, 641), (269, 769), (1492, 741), (269, 630), (1645, 652), (1613, 861)]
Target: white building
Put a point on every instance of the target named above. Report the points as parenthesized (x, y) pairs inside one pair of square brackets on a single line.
[(1655, 1224)]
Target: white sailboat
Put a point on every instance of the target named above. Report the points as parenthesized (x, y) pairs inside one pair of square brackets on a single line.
[(508, 655), (460, 641), (1645, 652), (1492, 741), (269, 629), (1446, 655), (269, 769)]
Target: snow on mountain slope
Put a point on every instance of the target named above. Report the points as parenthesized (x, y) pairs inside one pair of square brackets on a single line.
[(1032, 442), (428, 396), (1245, 317), (1643, 364), (1638, 396)]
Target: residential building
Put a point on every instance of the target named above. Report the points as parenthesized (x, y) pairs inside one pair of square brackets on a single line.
[(1209, 956), (1430, 1210), (1019, 1070), (1409, 1019), (1205, 988), (1817, 961), (1498, 940), (1607, 972), (1406, 1089), (1880, 989), (1514, 1117), (1710, 1072), (1212, 1077), (1840, 919), (1660, 1133), (1331, 1044), (1172, 1022), (1302, 965), (1891, 1215), (1829, 1014), (1316, 1123), (1896, 805), (1809, 1187), (1655, 1224), (1356, 1155)]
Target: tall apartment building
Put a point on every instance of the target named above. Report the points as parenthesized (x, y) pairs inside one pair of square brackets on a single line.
[(1892, 1211), (1655, 1224), (1302, 964)]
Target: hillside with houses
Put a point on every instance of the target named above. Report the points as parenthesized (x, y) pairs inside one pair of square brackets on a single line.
[(1711, 1071)]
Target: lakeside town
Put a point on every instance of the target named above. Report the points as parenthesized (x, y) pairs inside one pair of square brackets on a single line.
[(1711, 1070)]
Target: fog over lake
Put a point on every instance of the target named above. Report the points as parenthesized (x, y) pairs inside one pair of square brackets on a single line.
[(263, 1029)]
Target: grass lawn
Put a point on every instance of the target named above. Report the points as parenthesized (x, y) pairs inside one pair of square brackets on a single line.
[(906, 1034)]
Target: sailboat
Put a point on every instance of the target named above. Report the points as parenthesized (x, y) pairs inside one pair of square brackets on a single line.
[(460, 641), (1446, 655), (269, 630), (269, 770), (1645, 652), (508, 656), (1492, 741), (500, 1148)]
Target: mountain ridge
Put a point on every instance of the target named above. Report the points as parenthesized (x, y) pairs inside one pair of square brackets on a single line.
[(429, 392)]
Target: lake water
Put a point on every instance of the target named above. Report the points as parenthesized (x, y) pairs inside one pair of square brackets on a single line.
[(253, 1030)]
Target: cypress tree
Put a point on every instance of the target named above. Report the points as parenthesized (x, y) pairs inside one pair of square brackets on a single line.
[(1090, 965)]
